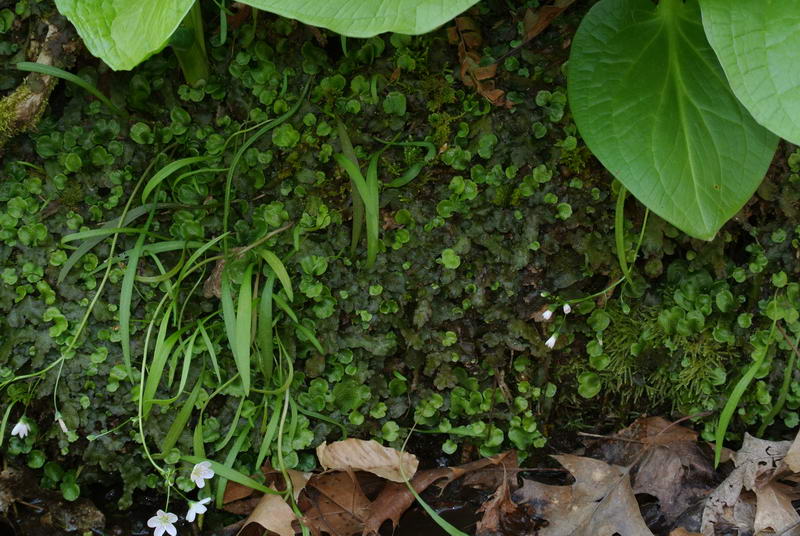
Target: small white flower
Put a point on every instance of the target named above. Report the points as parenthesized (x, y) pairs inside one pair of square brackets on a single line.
[(196, 508), (163, 522), (567, 309), (21, 429), (63, 425), (551, 342), (202, 472), (547, 314)]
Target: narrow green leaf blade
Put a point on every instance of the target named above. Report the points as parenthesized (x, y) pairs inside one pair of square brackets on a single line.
[(280, 270), (653, 105), (244, 320)]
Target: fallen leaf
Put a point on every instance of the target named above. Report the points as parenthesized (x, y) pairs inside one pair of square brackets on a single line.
[(756, 464), (335, 503), (395, 498), (501, 515), (792, 459), (272, 513), (599, 503), (535, 22), (370, 456), (467, 35), (683, 532), (774, 508), (665, 461)]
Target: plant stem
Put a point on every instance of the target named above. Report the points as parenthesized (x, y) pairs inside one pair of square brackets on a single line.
[(190, 48)]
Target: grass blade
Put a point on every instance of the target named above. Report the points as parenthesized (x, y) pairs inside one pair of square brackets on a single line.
[(90, 243), (222, 482), (166, 171), (358, 203), (244, 322), (210, 347), (179, 424), (733, 400), (228, 312), (49, 70), (280, 270), (265, 343), (233, 475)]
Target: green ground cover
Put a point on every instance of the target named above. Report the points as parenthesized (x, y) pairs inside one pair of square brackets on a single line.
[(214, 277)]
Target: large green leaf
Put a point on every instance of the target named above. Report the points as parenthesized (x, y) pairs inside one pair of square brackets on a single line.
[(758, 45), (365, 18), (653, 105), (123, 33)]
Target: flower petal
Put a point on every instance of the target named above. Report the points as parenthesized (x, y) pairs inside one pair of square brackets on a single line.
[(153, 522), (171, 530)]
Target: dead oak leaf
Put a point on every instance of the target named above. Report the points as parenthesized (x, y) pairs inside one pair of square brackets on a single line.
[(756, 464), (369, 456), (395, 498), (334, 503), (599, 503), (273, 513), (665, 461)]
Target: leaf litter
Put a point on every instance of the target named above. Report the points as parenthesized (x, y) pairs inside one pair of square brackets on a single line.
[(366, 485)]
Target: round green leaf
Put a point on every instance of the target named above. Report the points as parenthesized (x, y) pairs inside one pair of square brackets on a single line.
[(124, 33), (365, 18), (653, 105), (757, 44)]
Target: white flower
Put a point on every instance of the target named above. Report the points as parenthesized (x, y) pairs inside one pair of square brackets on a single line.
[(202, 472), (196, 508), (547, 314), (567, 309), (21, 429), (163, 522), (63, 425), (551, 342)]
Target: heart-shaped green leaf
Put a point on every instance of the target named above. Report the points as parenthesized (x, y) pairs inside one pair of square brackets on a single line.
[(365, 18), (758, 44), (123, 33), (653, 105)]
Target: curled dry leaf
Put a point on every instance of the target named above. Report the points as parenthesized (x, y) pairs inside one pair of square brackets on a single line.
[(665, 461), (758, 464), (467, 35), (334, 503), (599, 503), (369, 456), (272, 512)]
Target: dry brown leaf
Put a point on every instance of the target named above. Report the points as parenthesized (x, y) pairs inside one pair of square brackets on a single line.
[(665, 461), (536, 22), (467, 35), (369, 456), (395, 498), (501, 515), (504, 468), (495, 510), (271, 513), (242, 500), (756, 464), (599, 503), (792, 459), (683, 532), (774, 508), (334, 503)]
